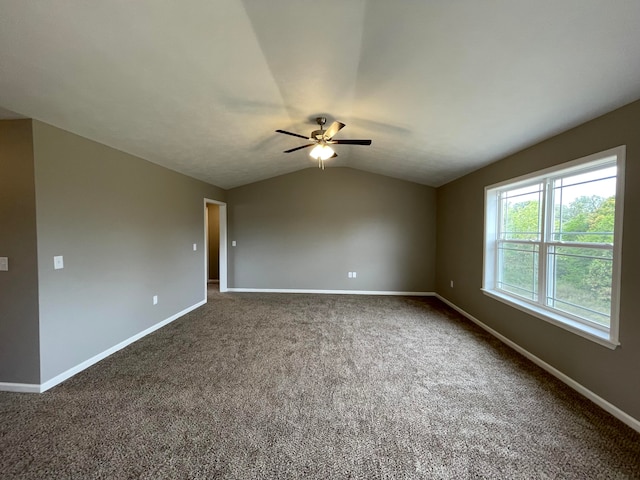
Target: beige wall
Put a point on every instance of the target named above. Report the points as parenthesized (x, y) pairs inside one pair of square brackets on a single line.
[(613, 375), (19, 355), (126, 228), (307, 229)]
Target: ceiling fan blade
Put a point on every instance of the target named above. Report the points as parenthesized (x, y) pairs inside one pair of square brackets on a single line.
[(298, 148), (334, 128), (352, 142), (292, 134)]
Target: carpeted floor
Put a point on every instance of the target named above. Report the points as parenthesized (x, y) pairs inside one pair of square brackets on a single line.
[(254, 386)]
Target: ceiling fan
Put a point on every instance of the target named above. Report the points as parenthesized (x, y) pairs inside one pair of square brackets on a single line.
[(322, 139)]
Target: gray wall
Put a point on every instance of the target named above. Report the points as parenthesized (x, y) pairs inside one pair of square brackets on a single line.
[(613, 375), (213, 212), (126, 228), (307, 229), (19, 357)]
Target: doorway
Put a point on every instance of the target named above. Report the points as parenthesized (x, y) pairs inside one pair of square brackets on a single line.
[(215, 231)]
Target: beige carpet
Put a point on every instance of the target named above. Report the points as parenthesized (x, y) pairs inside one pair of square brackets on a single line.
[(256, 386)]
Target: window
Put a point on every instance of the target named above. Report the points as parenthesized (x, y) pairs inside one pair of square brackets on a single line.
[(552, 244)]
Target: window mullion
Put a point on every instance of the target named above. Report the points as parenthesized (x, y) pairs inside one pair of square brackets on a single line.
[(546, 201), (499, 220)]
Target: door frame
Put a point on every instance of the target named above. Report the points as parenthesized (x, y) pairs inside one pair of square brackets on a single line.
[(222, 212)]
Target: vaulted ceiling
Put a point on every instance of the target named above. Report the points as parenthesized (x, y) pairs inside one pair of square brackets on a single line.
[(441, 87)]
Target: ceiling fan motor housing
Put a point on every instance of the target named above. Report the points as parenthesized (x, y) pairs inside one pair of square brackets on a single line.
[(316, 135)]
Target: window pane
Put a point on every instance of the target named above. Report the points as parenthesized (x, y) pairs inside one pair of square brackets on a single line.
[(580, 282), (521, 215), (518, 269), (584, 207), (587, 177)]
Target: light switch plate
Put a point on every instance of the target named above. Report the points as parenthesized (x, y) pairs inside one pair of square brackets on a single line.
[(233, 243), (195, 247), (58, 262), (4, 264)]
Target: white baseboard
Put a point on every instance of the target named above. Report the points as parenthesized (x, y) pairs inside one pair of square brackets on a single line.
[(19, 387), (601, 402), (43, 387), (337, 292)]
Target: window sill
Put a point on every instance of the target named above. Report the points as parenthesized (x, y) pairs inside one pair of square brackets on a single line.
[(585, 331)]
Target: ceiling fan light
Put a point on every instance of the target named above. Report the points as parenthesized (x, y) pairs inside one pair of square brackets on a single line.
[(321, 152)]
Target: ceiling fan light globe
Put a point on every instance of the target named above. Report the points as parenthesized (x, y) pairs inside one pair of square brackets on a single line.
[(321, 152)]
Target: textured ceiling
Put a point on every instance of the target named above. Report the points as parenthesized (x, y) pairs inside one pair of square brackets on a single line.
[(441, 87)]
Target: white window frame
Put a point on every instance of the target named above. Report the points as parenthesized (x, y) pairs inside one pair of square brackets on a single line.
[(607, 337)]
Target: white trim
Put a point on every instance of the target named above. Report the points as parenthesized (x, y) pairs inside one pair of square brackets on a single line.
[(617, 242), (596, 160), (601, 402), (338, 292), (43, 387), (223, 244), (223, 248), (581, 329), (19, 387)]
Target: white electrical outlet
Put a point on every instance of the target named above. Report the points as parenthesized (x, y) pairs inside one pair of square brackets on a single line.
[(355, 274), (58, 262), (155, 299), (4, 264), (350, 274), (233, 243)]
